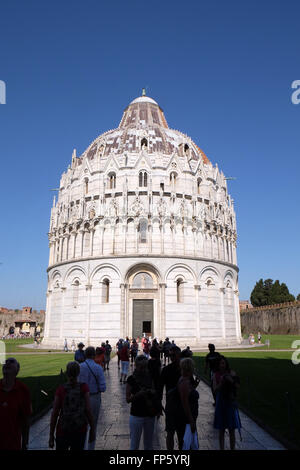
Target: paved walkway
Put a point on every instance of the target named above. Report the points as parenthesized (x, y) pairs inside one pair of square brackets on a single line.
[(113, 425)]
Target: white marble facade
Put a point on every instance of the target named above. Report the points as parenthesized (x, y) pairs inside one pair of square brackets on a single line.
[(142, 239)]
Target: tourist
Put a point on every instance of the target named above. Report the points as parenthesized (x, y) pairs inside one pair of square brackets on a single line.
[(107, 353), (186, 353), (154, 366), (15, 408), (119, 346), (99, 358), (160, 347), (226, 383), (73, 346), (189, 399), (79, 354), (259, 338), (71, 413), (133, 351), (166, 350), (66, 345), (92, 374), (211, 363), (145, 405), (169, 378), (124, 357), (146, 348)]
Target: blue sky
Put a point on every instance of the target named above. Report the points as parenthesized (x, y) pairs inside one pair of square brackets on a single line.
[(221, 71)]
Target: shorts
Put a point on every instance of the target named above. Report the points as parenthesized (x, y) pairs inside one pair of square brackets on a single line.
[(124, 367)]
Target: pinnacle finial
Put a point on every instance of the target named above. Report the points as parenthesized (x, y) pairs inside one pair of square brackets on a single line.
[(143, 91)]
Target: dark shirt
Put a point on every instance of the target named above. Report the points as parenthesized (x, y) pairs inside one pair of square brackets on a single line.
[(154, 366), (212, 359), (138, 404), (79, 355), (169, 377)]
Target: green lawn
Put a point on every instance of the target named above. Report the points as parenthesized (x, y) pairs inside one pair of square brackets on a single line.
[(42, 374), (15, 345), (270, 385), (12, 345), (278, 341)]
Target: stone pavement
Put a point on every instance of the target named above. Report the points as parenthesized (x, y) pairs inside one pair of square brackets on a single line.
[(113, 424)]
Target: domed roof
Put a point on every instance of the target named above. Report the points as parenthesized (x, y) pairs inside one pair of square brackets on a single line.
[(144, 123), (143, 99)]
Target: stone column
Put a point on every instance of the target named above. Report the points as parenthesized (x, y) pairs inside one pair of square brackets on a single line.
[(198, 330), (61, 332), (81, 233), (92, 232), (68, 236), (162, 310), (223, 323), (88, 313), (123, 313), (237, 315), (74, 233)]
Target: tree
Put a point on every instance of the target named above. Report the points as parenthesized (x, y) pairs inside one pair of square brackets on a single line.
[(298, 297), (269, 292)]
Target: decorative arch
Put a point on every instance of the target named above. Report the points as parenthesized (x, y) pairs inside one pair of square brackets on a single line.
[(181, 267)]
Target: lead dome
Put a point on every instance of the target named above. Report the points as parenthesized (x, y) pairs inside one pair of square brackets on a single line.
[(142, 240)]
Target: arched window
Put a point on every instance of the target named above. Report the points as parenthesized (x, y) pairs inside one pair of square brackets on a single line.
[(143, 179), (173, 177), (198, 185), (179, 287), (75, 293), (143, 231), (112, 181), (186, 150), (144, 143), (142, 281), (86, 185), (105, 291)]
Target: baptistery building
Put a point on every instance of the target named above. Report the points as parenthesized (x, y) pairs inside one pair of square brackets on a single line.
[(142, 240)]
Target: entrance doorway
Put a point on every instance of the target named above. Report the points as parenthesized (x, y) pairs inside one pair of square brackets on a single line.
[(142, 317)]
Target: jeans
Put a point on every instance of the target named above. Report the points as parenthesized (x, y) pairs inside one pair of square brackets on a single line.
[(137, 425), (95, 409)]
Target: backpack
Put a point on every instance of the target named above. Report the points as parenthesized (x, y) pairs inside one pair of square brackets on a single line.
[(73, 412), (152, 402), (153, 406)]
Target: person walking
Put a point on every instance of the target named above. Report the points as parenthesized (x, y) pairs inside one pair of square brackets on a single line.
[(146, 347), (154, 367), (15, 408), (211, 363), (168, 379), (133, 351), (226, 383), (119, 346), (189, 397), (71, 413), (107, 354), (79, 354), (166, 351), (92, 374), (99, 358), (145, 405), (124, 357)]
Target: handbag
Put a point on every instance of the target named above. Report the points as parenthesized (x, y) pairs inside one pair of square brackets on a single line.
[(190, 440)]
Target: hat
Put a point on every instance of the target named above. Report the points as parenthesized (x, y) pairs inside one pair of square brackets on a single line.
[(80, 344)]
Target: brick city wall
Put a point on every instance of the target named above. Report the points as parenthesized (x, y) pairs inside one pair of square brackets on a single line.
[(272, 319)]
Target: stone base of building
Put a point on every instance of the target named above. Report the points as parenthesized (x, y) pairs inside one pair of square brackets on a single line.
[(194, 344)]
